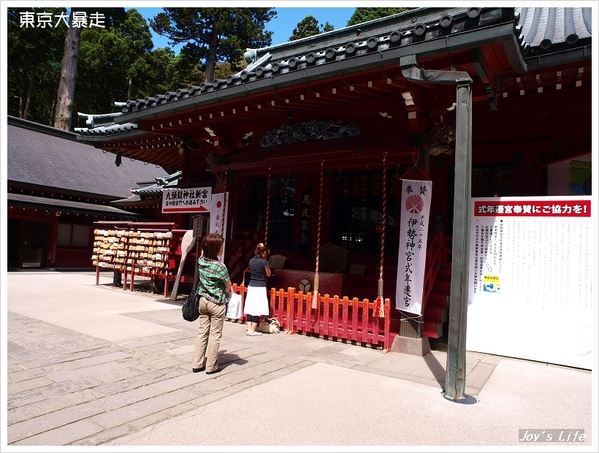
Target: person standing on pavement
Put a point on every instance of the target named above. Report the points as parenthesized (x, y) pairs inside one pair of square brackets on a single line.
[(256, 301), (214, 287)]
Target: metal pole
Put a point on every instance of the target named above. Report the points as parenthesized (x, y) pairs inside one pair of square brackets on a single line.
[(455, 380)]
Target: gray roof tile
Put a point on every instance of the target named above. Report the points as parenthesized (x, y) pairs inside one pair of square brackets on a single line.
[(171, 180), (541, 30), (350, 42), (111, 129), (45, 156), (547, 27)]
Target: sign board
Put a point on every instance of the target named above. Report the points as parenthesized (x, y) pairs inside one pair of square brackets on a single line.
[(570, 176), (530, 279), (413, 233), (184, 200), (218, 216)]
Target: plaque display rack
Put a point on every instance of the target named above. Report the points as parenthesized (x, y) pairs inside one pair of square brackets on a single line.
[(135, 250)]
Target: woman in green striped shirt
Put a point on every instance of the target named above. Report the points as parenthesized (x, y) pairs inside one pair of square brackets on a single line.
[(214, 286)]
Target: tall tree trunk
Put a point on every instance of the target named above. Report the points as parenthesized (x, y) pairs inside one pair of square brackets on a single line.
[(211, 60), (68, 75), (129, 88), (25, 112), (52, 109)]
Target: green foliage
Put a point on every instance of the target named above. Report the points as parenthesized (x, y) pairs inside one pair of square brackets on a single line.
[(117, 63), (309, 26), (152, 73), (215, 34), (186, 69), (34, 57), (225, 69), (327, 27), (110, 60), (365, 14)]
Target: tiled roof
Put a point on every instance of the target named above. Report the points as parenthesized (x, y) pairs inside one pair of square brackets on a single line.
[(149, 190), (111, 129), (161, 183), (419, 25), (65, 204), (44, 156), (538, 30), (127, 201), (552, 29)]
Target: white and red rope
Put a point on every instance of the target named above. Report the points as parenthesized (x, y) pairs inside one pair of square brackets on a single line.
[(383, 231), (318, 233)]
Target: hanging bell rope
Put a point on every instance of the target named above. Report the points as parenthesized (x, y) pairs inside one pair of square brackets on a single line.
[(267, 215), (383, 230), (318, 231)]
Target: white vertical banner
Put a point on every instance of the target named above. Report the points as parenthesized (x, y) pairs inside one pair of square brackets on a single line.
[(218, 215), (413, 234)]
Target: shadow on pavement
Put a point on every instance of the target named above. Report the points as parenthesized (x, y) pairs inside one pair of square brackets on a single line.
[(436, 368), (226, 358)]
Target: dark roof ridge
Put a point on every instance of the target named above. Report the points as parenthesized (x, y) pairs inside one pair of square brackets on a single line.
[(364, 26), (33, 126), (317, 43), (422, 30)]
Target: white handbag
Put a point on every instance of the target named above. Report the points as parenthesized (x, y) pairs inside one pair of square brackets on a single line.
[(234, 307)]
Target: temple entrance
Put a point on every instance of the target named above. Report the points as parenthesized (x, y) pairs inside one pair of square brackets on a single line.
[(28, 242)]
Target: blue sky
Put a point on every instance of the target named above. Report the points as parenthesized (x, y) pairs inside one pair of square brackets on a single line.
[(282, 26)]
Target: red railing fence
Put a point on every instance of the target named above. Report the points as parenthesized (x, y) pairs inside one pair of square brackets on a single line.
[(334, 317)]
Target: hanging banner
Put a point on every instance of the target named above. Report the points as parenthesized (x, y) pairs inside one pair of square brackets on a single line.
[(218, 216), (531, 279), (413, 234), (180, 201)]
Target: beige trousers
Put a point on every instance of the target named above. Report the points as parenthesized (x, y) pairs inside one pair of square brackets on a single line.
[(212, 318)]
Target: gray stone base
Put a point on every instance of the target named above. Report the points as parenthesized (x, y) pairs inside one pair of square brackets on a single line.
[(408, 345)]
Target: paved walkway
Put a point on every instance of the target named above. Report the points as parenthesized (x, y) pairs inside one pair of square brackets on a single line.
[(94, 365)]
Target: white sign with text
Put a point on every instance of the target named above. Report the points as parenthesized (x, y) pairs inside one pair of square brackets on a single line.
[(179, 201), (530, 279)]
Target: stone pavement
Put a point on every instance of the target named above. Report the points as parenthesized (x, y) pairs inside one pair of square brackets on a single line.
[(95, 365)]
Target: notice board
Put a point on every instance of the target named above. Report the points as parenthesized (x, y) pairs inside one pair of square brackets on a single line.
[(531, 279)]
